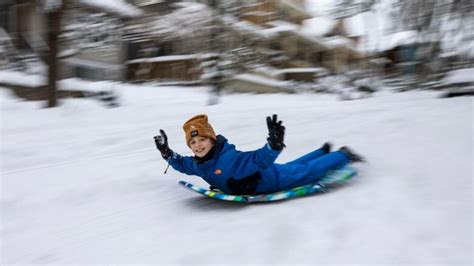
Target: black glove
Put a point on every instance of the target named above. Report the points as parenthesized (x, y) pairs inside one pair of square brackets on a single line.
[(276, 133), (161, 142)]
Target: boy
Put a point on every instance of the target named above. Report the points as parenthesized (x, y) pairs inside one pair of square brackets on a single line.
[(252, 172)]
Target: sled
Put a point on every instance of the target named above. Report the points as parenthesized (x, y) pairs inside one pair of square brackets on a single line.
[(333, 179)]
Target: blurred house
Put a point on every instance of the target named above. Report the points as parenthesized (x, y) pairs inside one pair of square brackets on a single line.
[(164, 43), (306, 45), (164, 68), (333, 44), (407, 53), (93, 47), (400, 50), (250, 82), (140, 40), (259, 12), (262, 12), (26, 30), (90, 42), (282, 28), (267, 26), (25, 25)]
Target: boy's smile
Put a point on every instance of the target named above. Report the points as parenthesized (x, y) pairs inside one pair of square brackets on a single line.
[(200, 146)]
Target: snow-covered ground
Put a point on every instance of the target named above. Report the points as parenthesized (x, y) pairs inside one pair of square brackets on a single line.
[(84, 184)]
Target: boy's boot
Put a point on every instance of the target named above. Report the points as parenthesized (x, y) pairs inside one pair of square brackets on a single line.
[(327, 147), (353, 157)]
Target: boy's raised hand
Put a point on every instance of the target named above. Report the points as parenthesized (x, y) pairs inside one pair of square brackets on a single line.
[(161, 142), (276, 133)]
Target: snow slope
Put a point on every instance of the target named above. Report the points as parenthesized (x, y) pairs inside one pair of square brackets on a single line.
[(85, 184)]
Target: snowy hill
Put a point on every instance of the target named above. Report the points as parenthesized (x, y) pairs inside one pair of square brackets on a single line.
[(85, 184)]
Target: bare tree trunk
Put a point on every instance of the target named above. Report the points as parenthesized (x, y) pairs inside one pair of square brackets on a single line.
[(216, 82), (54, 18)]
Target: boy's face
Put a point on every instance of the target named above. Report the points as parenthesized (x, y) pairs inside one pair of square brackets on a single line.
[(200, 146)]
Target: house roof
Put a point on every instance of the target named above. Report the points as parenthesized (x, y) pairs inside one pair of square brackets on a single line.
[(399, 39), (320, 26), (282, 26), (247, 27)]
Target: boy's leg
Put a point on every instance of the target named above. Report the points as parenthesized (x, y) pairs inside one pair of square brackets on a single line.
[(312, 155), (293, 175), (330, 161)]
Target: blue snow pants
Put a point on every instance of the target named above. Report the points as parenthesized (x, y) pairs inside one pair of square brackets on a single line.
[(304, 170)]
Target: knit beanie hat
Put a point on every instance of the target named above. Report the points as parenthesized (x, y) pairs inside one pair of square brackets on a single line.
[(198, 126)]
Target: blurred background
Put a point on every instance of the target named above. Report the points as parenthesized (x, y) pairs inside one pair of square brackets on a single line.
[(84, 183), (349, 47)]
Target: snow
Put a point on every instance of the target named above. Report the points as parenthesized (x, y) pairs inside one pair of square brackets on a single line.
[(51, 5), (84, 184), (321, 25), (459, 76), (118, 6), (248, 27), (318, 7), (21, 79), (401, 38), (374, 27), (68, 53), (263, 80), (355, 25), (318, 26), (76, 61), (457, 37), (281, 26), (164, 58), (378, 29), (337, 41), (4, 37), (76, 84), (198, 19), (300, 70), (191, 7)]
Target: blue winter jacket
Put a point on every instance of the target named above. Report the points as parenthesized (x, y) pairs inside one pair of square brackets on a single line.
[(250, 172), (254, 172)]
